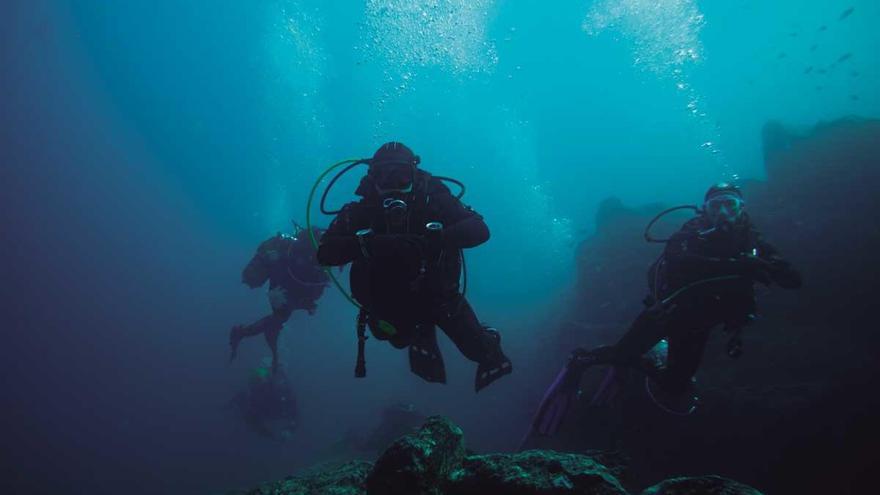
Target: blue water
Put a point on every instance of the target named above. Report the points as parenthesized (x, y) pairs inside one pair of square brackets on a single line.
[(148, 147)]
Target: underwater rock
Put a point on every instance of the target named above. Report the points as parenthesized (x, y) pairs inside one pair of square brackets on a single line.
[(701, 485), (397, 420), (418, 463), (346, 479), (533, 472), (433, 461), (844, 149)]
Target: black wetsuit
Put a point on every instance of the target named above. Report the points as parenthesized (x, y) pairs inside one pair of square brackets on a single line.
[(293, 271), (298, 274), (705, 278), (408, 281)]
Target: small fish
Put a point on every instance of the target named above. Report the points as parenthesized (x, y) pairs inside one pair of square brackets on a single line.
[(793, 35), (844, 57), (854, 73), (808, 70), (823, 28), (822, 71), (813, 48), (846, 13), (854, 97), (818, 88), (781, 55)]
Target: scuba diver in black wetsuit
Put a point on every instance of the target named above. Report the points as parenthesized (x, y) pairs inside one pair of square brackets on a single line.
[(404, 240), (704, 278), (268, 406), (295, 282)]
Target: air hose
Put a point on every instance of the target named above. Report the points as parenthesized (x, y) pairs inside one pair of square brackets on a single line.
[(661, 215), (351, 163)]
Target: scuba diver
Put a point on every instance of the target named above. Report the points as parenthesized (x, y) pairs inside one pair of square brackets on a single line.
[(704, 278), (295, 282), (404, 239), (268, 406)]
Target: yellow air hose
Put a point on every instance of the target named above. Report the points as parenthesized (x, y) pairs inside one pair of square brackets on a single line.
[(327, 269)]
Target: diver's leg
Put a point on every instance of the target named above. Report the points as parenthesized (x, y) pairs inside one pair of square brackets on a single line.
[(685, 354), (476, 342), (239, 332), (466, 332), (643, 334), (648, 328), (273, 330)]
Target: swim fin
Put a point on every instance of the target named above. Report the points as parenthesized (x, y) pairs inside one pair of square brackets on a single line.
[(564, 391), (486, 374), (425, 359), (608, 388), (496, 366), (556, 402), (271, 335)]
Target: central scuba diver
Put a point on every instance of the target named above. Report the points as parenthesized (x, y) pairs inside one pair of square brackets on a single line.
[(704, 278), (404, 239)]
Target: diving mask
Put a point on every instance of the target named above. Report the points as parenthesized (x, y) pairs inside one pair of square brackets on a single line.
[(724, 208), (393, 178)]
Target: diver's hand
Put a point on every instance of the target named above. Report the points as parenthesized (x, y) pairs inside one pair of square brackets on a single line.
[(393, 245), (757, 268), (277, 298), (755, 262)]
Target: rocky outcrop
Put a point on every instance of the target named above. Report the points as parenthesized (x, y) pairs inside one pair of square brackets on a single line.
[(534, 472), (701, 485), (345, 479), (433, 461), (419, 463)]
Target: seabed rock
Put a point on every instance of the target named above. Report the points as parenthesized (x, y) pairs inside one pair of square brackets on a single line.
[(434, 461), (420, 462), (345, 479), (700, 485), (534, 472)]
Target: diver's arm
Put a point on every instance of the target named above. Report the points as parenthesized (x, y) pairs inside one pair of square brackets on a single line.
[(250, 283), (339, 244), (683, 253), (779, 269), (466, 234), (337, 250), (463, 227)]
